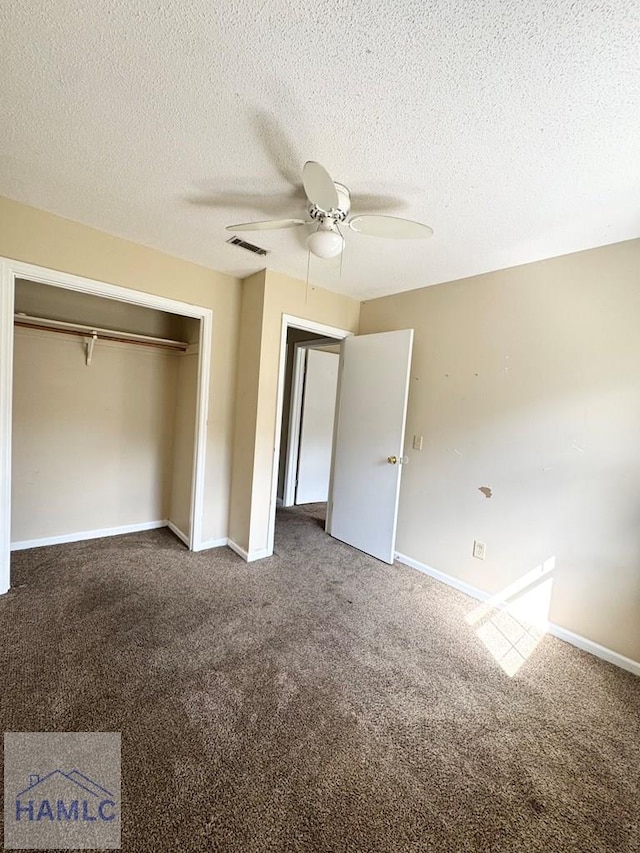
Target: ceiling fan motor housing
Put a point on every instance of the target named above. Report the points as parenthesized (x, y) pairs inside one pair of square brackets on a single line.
[(335, 215)]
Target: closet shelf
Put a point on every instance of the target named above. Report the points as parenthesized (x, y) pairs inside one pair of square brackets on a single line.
[(95, 333)]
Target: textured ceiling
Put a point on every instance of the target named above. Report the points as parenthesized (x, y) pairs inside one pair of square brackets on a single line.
[(512, 128)]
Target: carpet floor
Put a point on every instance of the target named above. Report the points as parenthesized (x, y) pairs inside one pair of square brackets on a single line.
[(318, 700)]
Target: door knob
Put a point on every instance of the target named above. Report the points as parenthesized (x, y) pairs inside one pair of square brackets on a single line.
[(393, 460)]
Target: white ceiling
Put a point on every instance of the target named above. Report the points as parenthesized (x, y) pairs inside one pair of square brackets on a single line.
[(512, 128)]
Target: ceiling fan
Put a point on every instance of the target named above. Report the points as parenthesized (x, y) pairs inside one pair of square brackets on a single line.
[(329, 207)]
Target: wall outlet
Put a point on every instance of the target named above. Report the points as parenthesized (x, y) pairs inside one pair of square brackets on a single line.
[(479, 549), (417, 442)]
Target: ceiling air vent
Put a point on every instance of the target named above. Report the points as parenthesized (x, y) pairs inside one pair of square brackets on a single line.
[(236, 241)]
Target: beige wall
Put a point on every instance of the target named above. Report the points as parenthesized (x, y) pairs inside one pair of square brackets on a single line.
[(244, 445), (92, 446), (528, 381), (267, 296), (184, 429), (40, 238)]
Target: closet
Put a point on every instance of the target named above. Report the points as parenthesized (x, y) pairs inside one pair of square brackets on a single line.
[(104, 408)]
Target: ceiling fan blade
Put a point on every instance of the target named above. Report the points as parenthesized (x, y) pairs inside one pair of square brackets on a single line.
[(267, 225), (390, 226), (319, 186)]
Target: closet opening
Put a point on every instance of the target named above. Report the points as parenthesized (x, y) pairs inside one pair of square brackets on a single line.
[(103, 411), (104, 406)]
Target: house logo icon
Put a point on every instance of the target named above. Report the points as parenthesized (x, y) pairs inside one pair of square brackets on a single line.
[(85, 799), (62, 791)]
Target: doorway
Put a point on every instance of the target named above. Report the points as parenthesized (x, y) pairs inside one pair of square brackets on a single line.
[(308, 416), (11, 271), (294, 330)]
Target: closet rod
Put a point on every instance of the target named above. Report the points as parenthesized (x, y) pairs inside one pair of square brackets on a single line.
[(27, 322)]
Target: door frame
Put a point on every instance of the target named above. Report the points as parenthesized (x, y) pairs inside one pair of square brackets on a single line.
[(289, 321), (301, 348), (10, 270)]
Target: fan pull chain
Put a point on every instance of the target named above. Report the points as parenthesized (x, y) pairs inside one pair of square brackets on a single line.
[(306, 290)]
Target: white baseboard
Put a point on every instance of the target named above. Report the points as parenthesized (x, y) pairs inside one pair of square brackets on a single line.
[(248, 557), (182, 536), (555, 630), (118, 531), (594, 648), (461, 586), (238, 550), (213, 543), (204, 546), (87, 534), (259, 555)]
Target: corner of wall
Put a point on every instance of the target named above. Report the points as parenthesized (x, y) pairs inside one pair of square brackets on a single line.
[(246, 406)]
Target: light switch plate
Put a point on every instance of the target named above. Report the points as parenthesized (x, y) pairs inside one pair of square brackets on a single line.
[(479, 549), (417, 442)]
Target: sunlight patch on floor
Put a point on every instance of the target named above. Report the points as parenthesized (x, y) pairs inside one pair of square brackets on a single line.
[(512, 623)]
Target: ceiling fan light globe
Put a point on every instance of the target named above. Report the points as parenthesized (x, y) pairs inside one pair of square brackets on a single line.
[(325, 244)]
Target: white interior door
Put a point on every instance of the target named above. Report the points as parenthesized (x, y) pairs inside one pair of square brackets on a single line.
[(316, 428), (369, 436)]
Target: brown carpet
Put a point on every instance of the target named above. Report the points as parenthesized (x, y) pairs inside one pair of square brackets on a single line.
[(315, 701)]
